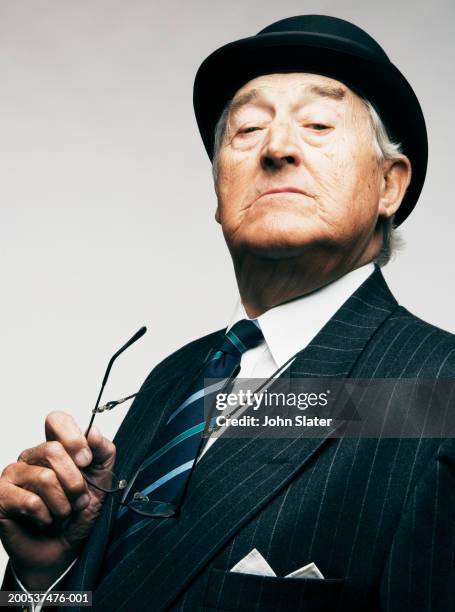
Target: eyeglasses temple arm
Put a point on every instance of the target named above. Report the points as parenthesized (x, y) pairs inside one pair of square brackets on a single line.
[(140, 332)]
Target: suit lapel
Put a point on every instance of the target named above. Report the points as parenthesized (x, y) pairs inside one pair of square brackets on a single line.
[(338, 346), (237, 477)]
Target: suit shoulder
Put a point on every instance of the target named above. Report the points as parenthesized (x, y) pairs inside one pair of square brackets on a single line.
[(428, 349), (413, 323)]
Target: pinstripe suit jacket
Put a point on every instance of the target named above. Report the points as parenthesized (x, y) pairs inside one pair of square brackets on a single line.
[(377, 516)]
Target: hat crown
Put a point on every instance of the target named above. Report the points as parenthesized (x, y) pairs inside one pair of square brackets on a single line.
[(326, 26)]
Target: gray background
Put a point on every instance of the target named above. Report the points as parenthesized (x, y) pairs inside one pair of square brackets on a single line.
[(106, 197)]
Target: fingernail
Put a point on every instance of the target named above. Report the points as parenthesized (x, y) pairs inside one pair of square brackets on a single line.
[(82, 502), (83, 457)]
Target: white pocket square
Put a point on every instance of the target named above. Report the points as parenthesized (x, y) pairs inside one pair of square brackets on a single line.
[(254, 563)]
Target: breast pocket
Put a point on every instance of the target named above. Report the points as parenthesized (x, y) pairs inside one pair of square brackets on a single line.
[(233, 591)]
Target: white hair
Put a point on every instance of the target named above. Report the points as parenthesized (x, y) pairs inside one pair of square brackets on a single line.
[(385, 149)]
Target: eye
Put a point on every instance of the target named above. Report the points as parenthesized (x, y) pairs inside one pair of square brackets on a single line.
[(318, 127), (249, 129)]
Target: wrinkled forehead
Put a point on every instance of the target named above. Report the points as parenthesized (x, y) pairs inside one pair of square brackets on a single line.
[(294, 87)]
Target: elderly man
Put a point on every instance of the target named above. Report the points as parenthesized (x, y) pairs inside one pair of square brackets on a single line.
[(319, 150)]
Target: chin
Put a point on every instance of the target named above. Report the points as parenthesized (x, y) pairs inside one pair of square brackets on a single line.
[(273, 242), (275, 248)]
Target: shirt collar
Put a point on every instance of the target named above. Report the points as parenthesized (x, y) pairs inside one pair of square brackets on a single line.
[(288, 328)]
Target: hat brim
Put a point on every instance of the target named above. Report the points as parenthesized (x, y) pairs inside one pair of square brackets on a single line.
[(378, 80)]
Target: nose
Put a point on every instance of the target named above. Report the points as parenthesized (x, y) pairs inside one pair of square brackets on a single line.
[(280, 148)]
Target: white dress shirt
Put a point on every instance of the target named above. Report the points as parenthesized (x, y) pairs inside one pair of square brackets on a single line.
[(287, 329)]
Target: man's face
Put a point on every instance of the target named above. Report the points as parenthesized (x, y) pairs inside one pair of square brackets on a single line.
[(297, 169)]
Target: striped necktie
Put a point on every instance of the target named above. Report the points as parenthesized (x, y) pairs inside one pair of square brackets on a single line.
[(164, 473)]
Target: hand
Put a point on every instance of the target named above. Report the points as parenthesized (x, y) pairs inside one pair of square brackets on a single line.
[(46, 507)]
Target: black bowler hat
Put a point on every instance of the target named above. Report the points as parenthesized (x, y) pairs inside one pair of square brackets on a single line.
[(330, 47)]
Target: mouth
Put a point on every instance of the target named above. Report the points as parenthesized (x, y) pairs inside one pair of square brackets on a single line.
[(285, 190)]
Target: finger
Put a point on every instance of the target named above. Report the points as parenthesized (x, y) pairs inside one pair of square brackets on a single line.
[(16, 502), (61, 427), (44, 482), (103, 450), (54, 456)]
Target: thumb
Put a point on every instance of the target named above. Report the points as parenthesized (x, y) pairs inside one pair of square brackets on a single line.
[(103, 450)]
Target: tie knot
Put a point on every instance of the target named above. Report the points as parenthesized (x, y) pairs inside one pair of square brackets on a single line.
[(242, 336)]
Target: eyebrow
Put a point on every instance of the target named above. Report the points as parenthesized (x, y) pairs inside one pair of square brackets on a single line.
[(243, 99), (324, 91), (328, 91)]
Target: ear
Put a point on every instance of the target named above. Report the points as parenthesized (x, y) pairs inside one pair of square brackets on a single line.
[(217, 212), (396, 176)]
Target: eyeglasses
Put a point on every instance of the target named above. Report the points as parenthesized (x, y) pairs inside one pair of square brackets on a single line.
[(106, 480)]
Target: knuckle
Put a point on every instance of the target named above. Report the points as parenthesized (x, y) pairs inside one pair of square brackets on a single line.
[(31, 505), (76, 486), (54, 449), (65, 508), (22, 457), (8, 471), (47, 477), (4, 487), (75, 443)]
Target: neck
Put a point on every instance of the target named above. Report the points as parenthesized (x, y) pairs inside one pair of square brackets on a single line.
[(264, 283)]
